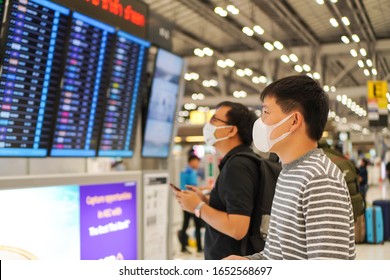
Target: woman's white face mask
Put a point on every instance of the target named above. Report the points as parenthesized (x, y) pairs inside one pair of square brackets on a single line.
[(261, 134), (209, 131)]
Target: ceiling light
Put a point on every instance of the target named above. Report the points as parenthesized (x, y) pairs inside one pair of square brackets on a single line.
[(338, 98), (258, 29), (187, 77), (333, 1), (306, 67), (374, 72), (356, 38), (268, 46), (198, 52), (230, 62), (240, 72), (278, 45), (213, 83), (232, 9), (221, 63), (223, 13), (316, 75), (333, 89), (334, 22), (194, 76), (263, 79), (240, 94), (298, 68), (345, 20), (207, 51), (326, 88), (248, 72), (310, 75), (345, 39), (363, 52), (248, 31), (320, 2), (285, 58), (256, 80), (369, 62), (293, 57), (353, 53), (206, 83), (366, 72), (218, 10), (360, 63)]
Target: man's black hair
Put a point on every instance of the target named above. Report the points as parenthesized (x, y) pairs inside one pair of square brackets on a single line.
[(304, 94), (192, 157), (240, 116)]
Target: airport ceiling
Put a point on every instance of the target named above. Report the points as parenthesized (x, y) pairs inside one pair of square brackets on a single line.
[(281, 38)]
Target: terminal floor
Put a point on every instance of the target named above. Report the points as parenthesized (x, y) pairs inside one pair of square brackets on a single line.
[(363, 251)]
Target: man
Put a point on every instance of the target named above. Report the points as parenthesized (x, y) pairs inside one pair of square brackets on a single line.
[(363, 177), (311, 215), (227, 211), (189, 176)]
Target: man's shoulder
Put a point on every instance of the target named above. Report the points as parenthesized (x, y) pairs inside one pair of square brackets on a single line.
[(244, 158)]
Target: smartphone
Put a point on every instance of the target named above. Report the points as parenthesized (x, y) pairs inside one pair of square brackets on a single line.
[(174, 187)]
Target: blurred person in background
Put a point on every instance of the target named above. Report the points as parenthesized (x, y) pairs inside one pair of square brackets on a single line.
[(189, 176)]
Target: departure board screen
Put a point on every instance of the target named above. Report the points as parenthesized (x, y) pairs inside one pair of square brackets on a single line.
[(30, 62), (1, 10), (163, 100), (83, 88), (125, 87), (70, 83)]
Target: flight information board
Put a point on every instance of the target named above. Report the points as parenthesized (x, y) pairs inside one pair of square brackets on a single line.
[(70, 83), (83, 88), (121, 106), (29, 76), (1, 10)]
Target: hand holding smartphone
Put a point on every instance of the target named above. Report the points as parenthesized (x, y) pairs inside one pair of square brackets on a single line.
[(174, 187)]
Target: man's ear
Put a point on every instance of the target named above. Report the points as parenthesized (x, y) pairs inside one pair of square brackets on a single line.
[(233, 131), (297, 121)]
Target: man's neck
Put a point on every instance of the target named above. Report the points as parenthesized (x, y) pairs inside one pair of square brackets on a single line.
[(224, 148), (295, 148)]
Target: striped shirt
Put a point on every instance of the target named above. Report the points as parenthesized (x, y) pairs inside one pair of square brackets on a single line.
[(311, 214)]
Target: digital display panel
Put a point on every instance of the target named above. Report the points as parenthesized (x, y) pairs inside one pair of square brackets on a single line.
[(117, 137), (128, 15), (1, 10), (108, 215), (70, 84), (70, 222), (162, 105), (31, 59), (41, 223), (83, 88)]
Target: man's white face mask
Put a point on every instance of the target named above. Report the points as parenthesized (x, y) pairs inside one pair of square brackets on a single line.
[(209, 131), (261, 134)]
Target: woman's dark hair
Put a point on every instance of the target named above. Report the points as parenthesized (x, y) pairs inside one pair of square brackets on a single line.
[(304, 94), (240, 116)]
